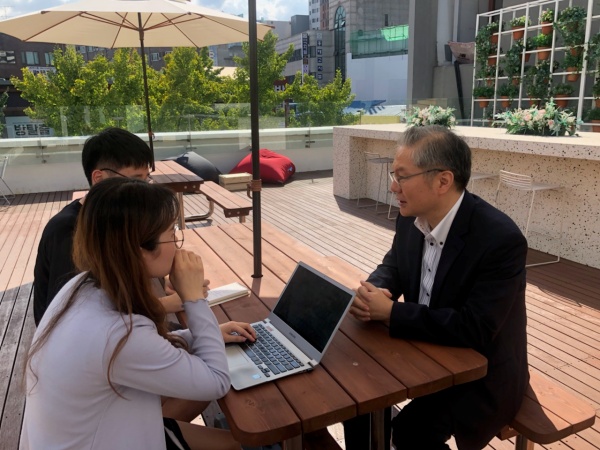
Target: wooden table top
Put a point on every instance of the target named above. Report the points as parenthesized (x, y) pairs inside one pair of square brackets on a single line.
[(364, 369), (176, 177)]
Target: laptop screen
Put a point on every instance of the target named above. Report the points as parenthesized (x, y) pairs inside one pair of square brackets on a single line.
[(312, 305)]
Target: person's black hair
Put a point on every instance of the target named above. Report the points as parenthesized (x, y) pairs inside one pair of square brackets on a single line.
[(114, 148)]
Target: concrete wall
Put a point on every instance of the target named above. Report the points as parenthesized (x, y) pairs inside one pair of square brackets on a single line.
[(444, 87)]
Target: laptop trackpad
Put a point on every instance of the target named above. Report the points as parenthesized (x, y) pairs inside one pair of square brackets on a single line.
[(236, 357), (242, 370)]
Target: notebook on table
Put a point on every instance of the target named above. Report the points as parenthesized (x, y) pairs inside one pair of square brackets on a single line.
[(296, 334)]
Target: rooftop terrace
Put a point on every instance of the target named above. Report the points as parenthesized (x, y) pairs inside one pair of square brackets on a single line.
[(563, 299)]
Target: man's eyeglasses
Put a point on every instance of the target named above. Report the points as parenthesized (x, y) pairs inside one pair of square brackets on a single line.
[(177, 237), (401, 179), (147, 179)]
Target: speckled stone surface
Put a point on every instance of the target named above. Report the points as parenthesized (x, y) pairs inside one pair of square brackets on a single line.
[(563, 220)]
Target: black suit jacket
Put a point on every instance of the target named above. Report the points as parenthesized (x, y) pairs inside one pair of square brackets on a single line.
[(477, 301)]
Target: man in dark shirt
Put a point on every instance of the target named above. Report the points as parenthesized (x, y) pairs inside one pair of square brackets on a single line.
[(111, 153), (455, 275)]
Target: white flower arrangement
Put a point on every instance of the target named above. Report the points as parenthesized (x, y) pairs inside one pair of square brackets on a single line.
[(548, 121), (432, 115)]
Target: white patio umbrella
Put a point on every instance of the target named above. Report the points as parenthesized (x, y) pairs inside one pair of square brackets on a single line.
[(153, 23)]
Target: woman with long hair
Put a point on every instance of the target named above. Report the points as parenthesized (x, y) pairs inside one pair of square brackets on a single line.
[(102, 357)]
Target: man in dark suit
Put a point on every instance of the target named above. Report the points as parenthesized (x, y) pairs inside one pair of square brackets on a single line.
[(459, 265)]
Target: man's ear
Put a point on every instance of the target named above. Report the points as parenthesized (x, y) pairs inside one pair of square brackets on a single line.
[(98, 176), (445, 181)]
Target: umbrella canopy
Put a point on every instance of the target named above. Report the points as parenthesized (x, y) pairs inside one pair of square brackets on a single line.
[(116, 23), (154, 23)]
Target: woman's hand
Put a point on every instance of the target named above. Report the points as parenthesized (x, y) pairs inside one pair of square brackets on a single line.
[(187, 276), (237, 332)]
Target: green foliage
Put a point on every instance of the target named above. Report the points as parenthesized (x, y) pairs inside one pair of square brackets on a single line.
[(544, 122), (542, 40), (547, 15), (570, 23), (270, 68), (562, 89), (537, 80), (72, 100), (593, 114), (519, 22), (512, 61), (593, 53), (320, 107), (483, 44), (508, 90), (483, 92), (571, 60), (3, 102), (596, 87)]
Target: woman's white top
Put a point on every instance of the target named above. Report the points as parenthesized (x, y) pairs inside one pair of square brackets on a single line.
[(72, 406)]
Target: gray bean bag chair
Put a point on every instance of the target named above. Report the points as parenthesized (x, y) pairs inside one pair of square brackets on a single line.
[(197, 164)]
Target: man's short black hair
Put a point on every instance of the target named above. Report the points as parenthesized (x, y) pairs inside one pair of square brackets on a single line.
[(114, 148)]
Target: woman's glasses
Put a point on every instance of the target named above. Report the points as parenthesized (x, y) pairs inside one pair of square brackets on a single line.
[(177, 237)]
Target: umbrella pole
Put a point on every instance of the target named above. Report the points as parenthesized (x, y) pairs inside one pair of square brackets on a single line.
[(256, 181), (146, 94)]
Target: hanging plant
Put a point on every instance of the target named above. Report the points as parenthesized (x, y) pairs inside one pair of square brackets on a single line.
[(570, 23), (513, 59), (592, 54), (518, 25), (560, 91), (547, 18), (573, 63)]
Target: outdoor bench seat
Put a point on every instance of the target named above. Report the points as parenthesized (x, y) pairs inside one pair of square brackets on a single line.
[(233, 205), (548, 414)]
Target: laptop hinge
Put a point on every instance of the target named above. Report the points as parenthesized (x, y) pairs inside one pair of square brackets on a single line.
[(313, 363)]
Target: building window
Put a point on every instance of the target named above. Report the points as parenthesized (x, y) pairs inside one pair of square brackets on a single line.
[(155, 56), (339, 36), (30, 58), (49, 57), (312, 51)]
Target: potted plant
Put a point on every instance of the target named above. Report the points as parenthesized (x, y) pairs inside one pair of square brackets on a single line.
[(507, 93), (484, 94), (573, 64), (537, 82), (592, 55), (513, 60), (560, 91), (518, 25), (570, 23), (593, 116), (596, 91), (484, 47), (547, 18), (543, 42)]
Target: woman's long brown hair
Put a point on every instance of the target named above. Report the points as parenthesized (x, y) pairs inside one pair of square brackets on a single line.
[(120, 216)]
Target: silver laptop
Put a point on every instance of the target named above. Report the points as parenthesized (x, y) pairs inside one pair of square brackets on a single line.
[(297, 332)]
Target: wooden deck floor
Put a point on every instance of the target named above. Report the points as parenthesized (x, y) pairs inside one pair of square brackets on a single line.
[(563, 299)]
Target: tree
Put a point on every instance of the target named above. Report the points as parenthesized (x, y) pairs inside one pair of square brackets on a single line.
[(189, 87), (320, 106), (270, 69), (72, 99)]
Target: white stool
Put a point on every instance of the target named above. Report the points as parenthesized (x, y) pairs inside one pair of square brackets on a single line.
[(526, 183), (6, 191), (384, 164), (479, 176)]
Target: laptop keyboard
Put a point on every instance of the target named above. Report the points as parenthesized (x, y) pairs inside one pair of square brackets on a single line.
[(269, 354)]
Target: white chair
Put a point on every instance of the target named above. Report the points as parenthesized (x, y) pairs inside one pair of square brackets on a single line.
[(384, 163), (479, 176), (526, 183), (5, 190)]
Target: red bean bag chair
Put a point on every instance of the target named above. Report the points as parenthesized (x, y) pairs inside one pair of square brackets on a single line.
[(274, 168)]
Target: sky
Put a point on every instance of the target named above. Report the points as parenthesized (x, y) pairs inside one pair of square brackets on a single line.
[(267, 9)]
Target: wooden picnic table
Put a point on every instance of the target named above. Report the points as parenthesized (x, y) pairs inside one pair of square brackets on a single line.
[(179, 179), (363, 371)]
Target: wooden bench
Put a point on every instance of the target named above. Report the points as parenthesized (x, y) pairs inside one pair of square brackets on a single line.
[(548, 414), (233, 205)]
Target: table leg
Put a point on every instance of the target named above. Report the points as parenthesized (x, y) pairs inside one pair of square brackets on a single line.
[(379, 437), (294, 443), (181, 221)]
